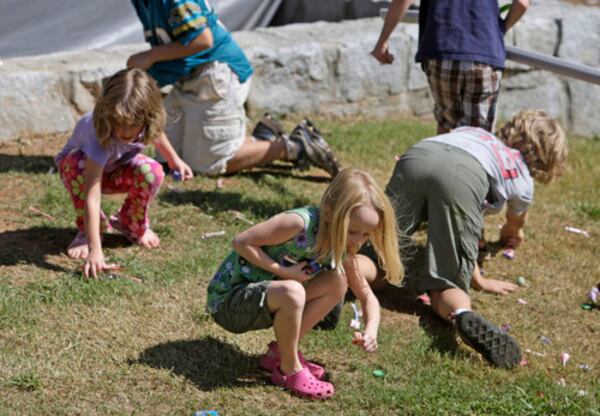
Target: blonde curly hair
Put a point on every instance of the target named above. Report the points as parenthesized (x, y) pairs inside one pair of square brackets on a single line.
[(541, 140), (129, 97)]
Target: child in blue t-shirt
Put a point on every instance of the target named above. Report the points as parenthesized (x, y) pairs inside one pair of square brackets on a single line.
[(461, 50), (210, 74)]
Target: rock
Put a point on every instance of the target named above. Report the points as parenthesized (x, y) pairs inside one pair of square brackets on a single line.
[(324, 68)]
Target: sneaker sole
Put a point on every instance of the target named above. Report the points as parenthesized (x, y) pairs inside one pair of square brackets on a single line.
[(497, 347)]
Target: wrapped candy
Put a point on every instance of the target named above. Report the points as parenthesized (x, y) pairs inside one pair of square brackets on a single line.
[(509, 253), (594, 294), (577, 231), (355, 322)]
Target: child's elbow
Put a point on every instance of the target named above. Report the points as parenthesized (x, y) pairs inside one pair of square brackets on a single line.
[(237, 243), (203, 41), (523, 3)]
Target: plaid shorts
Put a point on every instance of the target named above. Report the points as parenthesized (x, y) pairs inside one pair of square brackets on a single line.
[(465, 93)]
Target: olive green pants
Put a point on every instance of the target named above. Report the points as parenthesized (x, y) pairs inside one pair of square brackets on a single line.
[(446, 187)]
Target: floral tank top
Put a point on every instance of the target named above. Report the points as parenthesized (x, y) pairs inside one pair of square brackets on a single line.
[(236, 270)]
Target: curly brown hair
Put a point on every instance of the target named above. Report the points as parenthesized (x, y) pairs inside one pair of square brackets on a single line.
[(541, 140), (129, 97)]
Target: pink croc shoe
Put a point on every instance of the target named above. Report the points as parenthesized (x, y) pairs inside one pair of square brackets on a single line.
[(272, 359), (303, 383)]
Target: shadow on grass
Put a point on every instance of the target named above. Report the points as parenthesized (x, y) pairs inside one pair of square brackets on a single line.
[(281, 171), (208, 363), (33, 245), (404, 300), (220, 201), (268, 178), (22, 163)]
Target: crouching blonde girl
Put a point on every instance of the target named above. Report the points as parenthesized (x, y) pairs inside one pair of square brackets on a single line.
[(291, 270)]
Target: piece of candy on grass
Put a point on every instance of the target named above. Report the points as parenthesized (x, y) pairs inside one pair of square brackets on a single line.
[(593, 295), (176, 175), (577, 231), (509, 253), (544, 340)]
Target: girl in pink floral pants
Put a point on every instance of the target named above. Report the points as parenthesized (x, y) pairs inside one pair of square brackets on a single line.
[(140, 178), (104, 156)]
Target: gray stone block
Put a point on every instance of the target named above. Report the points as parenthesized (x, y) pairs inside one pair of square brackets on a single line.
[(322, 68)]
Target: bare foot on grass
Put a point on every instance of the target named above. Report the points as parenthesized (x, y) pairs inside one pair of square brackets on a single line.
[(79, 247), (149, 239)]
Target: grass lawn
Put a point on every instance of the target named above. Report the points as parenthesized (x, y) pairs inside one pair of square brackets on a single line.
[(114, 346)]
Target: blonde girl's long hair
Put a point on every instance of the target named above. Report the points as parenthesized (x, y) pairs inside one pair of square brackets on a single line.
[(541, 141), (129, 97), (350, 189)]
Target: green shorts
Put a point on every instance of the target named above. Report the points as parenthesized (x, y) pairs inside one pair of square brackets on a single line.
[(445, 186), (245, 309)]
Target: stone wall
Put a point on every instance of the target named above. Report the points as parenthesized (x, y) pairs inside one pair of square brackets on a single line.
[(324, 68)]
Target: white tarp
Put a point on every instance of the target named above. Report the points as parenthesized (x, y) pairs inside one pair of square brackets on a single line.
[(34, 27)]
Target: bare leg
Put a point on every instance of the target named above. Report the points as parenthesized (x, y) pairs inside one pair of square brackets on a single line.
[(286, 300), (445, 302), (322, 294), (255, 153)]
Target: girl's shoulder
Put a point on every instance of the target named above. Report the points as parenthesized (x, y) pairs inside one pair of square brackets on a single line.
[(87, 119), (309, 214), (85, 128)]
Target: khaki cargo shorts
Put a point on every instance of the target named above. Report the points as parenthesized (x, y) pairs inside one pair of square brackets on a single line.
[(206, 120)]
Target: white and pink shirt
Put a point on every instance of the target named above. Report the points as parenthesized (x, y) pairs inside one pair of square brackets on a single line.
[(510, 181)]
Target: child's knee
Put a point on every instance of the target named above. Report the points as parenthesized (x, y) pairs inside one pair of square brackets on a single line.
[(158, 171), (338, 286), (153, 173), (368, 267), (293, 294)]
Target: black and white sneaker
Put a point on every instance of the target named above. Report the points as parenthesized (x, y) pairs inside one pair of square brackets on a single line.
[(496, 346), (316, 151)]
